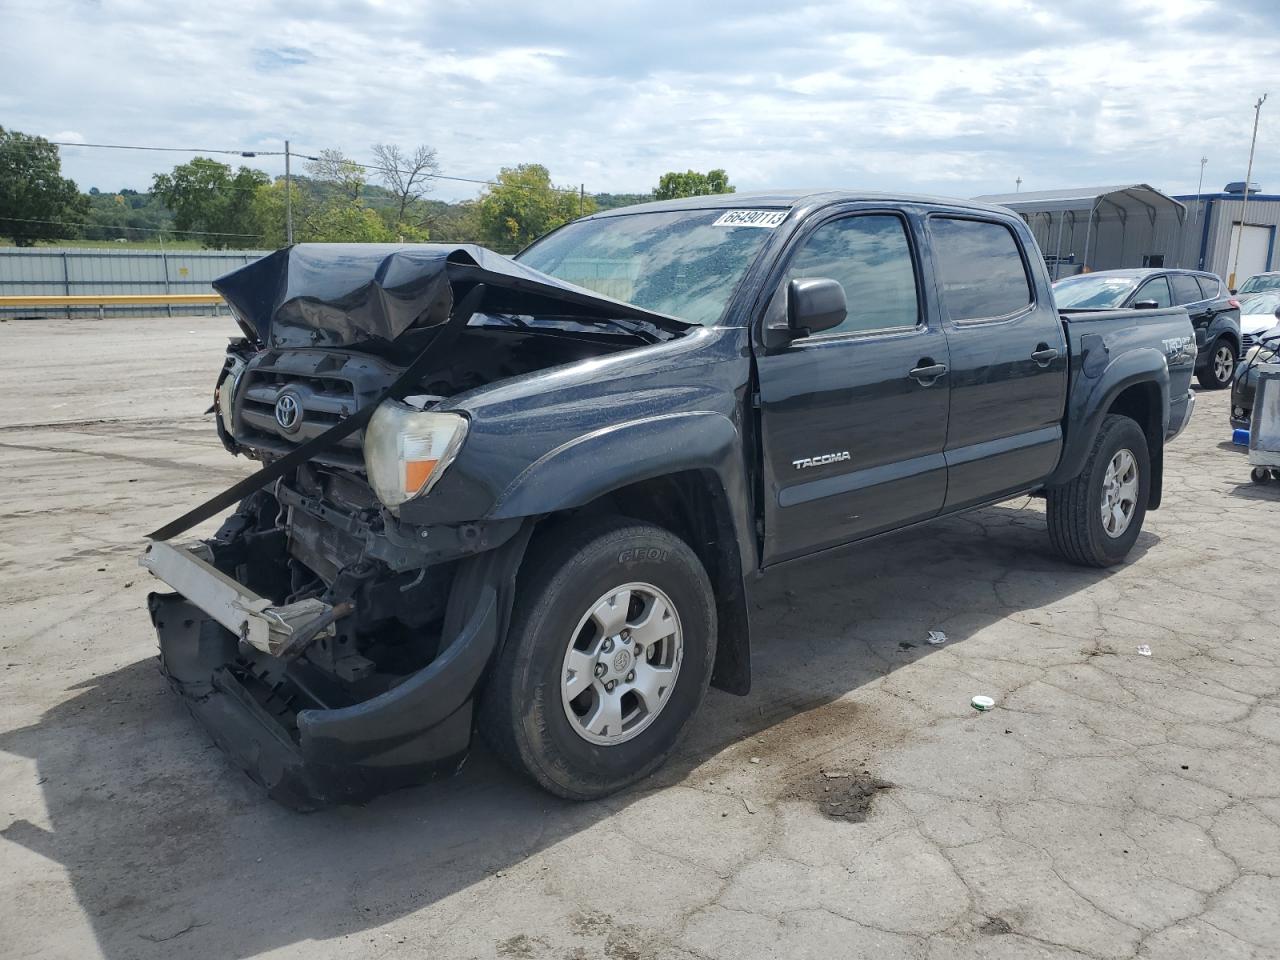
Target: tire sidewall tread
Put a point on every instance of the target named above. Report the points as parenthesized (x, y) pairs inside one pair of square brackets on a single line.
[(521, 713)]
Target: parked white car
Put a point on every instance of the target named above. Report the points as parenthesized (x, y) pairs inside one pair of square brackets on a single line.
[(1257, 314)]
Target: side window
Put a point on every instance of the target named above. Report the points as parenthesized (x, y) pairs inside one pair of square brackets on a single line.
[(871, 258), (1209, 286), (1157, 289), (1185, 288), (980, 267)]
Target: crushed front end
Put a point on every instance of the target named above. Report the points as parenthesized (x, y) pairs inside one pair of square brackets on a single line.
[(333, 635)]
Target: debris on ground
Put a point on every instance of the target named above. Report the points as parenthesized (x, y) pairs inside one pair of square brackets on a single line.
[(755, 759), (1144, 650), (936, 637), (847, 797), (982, 704)]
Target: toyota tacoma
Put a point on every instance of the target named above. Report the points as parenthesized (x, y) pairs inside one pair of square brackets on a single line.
[(530, 498)]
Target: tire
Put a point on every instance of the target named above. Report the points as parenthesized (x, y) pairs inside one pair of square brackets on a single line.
[(1220, 368), (1260, 475), (525, 712), (1075, 509)]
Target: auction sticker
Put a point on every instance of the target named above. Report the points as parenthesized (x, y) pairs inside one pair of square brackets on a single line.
[(751, 218)]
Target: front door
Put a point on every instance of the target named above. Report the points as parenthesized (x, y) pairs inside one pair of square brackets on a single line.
[(853, 420)]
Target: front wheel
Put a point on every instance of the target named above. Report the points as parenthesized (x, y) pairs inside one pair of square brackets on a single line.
[(1217, 373), (1095, 518), (608, 656)]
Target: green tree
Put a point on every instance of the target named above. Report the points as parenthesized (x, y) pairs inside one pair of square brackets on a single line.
[(206, 197), (691, 183), (524, 205), (319, 216), (36, 201)]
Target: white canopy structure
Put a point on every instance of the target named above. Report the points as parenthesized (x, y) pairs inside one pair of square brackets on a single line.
[(1129, 225)]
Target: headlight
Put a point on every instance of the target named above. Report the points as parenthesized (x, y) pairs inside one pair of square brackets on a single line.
[(407, 450)]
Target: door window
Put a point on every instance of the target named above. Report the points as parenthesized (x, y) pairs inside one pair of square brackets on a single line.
[(981, 269), (871, 258), (1185, 288), (1209, 286), (1157, 289)]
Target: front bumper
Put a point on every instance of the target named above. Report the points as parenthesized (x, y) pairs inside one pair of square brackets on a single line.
[(289, 728)]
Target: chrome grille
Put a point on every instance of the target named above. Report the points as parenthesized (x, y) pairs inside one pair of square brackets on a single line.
[(320, 387)]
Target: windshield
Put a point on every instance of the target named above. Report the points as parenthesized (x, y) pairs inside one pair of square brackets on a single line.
[(684, 263), (1088, 292), (1261, 282), (1260, 303)]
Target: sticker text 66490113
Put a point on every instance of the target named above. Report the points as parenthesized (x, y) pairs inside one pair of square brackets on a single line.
[(750, 218)]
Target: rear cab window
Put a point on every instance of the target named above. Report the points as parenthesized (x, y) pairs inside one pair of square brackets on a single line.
[(980, 269)]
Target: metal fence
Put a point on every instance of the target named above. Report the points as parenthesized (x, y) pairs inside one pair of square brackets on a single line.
[(71, 271)]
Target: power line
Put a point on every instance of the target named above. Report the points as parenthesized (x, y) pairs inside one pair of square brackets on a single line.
[(276, 153)]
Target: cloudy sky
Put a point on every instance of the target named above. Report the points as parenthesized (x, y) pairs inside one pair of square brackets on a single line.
[(942, 96)]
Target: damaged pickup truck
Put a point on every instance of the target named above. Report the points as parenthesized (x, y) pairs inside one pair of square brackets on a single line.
[(530, 497)]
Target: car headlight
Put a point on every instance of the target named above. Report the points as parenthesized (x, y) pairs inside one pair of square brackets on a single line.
[(407, 450)]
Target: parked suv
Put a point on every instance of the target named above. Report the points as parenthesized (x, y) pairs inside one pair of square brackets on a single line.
[(1215, 314)]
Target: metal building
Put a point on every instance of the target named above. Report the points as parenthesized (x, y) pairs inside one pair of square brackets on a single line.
[(1135, 225), (1217, 217)]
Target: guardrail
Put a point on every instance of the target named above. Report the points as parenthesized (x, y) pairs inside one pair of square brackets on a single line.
[(101, 301)]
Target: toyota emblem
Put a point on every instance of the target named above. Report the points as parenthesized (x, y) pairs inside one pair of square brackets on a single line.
[(288, 412)]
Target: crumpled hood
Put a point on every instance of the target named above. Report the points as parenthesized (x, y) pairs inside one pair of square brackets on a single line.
[(345, 294)]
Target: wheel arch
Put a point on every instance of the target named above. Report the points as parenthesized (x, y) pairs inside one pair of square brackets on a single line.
[(1141, 402), (682, 472)]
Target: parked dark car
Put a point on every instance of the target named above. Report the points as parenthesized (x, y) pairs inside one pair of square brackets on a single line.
[(1265, 349), (1215, 314), (496, 498)]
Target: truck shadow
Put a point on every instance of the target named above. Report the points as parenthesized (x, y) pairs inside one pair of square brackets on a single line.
[(171, 852)]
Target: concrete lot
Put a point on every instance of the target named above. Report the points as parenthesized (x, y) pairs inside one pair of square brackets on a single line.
[(1112, 805)]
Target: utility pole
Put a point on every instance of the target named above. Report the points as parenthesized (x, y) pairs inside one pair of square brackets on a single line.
[(288, 198), (1244, 204), (1017, 185), (1199, 187), (582, 198)]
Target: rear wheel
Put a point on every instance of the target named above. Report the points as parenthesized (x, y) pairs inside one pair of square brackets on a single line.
[(1095, 518), (1216, 374), (608, 657)]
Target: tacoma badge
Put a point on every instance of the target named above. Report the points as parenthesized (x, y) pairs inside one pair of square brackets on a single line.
[(820, 461)]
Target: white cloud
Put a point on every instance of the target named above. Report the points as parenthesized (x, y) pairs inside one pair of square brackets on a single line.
[(927, 95)]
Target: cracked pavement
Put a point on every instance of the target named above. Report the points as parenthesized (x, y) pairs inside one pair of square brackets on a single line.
[(1112, 805)]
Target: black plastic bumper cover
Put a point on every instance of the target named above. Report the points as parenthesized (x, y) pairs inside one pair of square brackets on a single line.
[(403, 736)]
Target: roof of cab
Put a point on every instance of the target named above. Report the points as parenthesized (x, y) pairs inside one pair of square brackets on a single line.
[(788, 199)]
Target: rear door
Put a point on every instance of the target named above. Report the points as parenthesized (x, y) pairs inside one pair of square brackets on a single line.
[(1008, 357), (1187, 293), (853, 420)]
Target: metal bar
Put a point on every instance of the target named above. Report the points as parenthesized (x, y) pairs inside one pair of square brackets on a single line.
[(108, 300)]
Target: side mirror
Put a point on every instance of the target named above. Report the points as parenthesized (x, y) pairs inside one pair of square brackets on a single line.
[(1278, 313), (1146, 305), (815, 304), (1233, 292)]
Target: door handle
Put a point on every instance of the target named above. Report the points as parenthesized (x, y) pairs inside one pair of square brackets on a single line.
[(1045, 355), (927, 372)]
